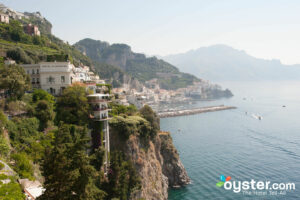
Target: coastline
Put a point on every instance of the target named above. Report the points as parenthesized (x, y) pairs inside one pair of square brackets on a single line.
[(176, 113)]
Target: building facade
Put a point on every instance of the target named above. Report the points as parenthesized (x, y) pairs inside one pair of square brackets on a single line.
[(99, 127), (52, 77), (4, 18), (32, 30)]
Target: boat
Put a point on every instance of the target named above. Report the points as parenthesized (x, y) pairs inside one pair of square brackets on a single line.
[(257, 117)]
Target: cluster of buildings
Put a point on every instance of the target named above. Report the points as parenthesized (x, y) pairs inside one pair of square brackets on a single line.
[(32, 30), (7, 13), (12, 13), (54, 77), (151, 94)]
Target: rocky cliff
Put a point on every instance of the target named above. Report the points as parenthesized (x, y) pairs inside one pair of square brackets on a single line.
[(156, 161), (172, 166)]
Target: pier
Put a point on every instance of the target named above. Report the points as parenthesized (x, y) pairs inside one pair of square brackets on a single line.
[(176, 113)]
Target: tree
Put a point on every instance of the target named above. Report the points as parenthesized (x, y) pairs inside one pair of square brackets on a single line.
[(66, 167), (4, 148), (11, 190), (72, 107), (39, 94), (14, 80), (44, 112), (3, 121), (123, 178), (151, 117), (19, 55), (23, 165)]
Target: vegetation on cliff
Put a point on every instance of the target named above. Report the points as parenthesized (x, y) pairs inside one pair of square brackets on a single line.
[(14, 80), (46, 138), (59, 146), (27, 49)]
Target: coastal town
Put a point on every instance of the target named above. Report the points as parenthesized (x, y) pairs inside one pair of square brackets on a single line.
[(54, 73), (54, 77)]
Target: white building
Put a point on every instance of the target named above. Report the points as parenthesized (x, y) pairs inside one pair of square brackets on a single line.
[(4, 18), (32, 189), (82, 74), (99, 131), (9, 62), (53, 77)]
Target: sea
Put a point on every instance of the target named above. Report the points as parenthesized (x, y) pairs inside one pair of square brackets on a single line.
[(237, 145)]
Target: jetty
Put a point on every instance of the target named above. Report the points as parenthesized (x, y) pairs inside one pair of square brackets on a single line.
[(193, 111)]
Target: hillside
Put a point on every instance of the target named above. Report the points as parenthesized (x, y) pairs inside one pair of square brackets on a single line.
[(23, 48), (224, 63), (135, 64)]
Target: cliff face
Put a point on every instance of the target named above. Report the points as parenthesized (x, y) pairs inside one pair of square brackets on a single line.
[(172, 165), (157, 162)]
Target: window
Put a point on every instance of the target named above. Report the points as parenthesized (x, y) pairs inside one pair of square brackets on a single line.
[(62, 79), (50, 79), (37, 80), (52, 90), (33, 80), (28, 72), (33, 71), (37, 71)]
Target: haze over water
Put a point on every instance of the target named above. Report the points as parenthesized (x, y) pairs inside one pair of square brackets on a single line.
[(236, 144)]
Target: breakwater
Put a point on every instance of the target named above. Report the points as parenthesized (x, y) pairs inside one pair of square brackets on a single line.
[(176, 113)]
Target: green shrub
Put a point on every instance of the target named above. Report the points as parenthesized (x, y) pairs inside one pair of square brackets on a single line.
[(3, 121), (23, 165), (72, 106), (15, 81), (152, 118), (19, 55), (4, 148), (118, 109), (44, 112), (11, 191), (1, 166), (125, 126)]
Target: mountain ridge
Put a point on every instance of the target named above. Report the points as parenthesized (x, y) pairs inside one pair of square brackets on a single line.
[(137, 65), (224, 63)]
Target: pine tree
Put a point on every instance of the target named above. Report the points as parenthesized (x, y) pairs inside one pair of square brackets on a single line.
[(67, 170)]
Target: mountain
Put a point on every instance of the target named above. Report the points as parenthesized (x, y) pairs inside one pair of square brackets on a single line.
[(136, 65), (224, 63)]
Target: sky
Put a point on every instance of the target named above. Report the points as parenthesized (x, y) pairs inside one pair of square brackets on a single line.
[(268, 29)]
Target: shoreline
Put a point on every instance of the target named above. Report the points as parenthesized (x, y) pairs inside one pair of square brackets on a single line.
[(194, 111)]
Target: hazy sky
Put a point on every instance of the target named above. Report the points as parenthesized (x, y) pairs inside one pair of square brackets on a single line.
[(263, 28)]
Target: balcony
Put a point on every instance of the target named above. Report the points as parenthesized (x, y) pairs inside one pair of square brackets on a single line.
[(100, 109), (99, 118), (97, 98)]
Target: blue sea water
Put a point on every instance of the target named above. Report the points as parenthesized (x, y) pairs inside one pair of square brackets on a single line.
[(236, 144)]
